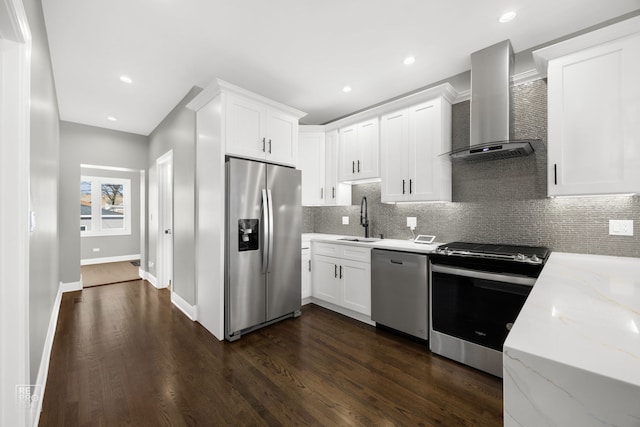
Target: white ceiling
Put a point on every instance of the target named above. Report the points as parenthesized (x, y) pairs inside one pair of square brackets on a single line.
[(298, 52)]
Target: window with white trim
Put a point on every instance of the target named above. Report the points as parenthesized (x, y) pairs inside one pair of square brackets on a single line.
[(105, 206)]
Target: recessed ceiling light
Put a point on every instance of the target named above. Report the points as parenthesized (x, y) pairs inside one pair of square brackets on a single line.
[(507, 16), (112, 118), (346, 89), (409, 60), (126, 79)]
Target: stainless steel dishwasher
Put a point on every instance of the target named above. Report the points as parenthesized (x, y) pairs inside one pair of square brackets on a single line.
[(399, 291)]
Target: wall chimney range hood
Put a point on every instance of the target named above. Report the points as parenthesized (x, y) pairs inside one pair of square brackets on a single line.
[(491, 137)]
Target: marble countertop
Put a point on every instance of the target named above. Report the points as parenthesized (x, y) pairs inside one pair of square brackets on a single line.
[(391, 244), (584, 311)]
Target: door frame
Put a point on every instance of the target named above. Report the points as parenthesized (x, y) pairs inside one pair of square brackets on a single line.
[(164, 251), (15, 223)]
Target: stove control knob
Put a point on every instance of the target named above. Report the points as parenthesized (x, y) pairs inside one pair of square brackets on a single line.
[(535, 259), (520, 257)]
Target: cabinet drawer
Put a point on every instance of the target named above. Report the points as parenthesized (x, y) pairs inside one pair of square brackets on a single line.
[(326, 249), (355, 253)]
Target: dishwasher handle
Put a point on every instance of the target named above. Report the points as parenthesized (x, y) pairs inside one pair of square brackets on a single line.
[(395, 261)]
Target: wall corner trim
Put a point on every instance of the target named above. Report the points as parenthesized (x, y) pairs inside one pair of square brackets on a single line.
[(188, 309)]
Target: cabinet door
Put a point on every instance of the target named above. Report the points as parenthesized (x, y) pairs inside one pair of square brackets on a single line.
[(325, 283), (336, 193), (356, 285), (394, 148), (245, 127), (306, 273), (594, 100), (311, 163), (282, 138), (368, 150), (424, 142), (348, 153)]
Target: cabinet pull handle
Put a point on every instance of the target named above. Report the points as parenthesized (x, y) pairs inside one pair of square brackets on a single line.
[(341, 272), (321, 192), (309, 265), (555, 174), (335, 270), (403, 186), (333, 192), (410, 189), (358, 166), (269, 146), (264, 142), (353, 167)]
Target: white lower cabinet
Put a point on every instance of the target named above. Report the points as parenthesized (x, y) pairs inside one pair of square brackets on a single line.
[(344, 278), (306, 275), (356, 290)]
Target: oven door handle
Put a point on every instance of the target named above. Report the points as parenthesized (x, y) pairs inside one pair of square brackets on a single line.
[(505, 278)]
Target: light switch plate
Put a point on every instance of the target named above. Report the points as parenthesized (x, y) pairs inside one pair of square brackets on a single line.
[(620, 227), (345, 220), (412, 222)]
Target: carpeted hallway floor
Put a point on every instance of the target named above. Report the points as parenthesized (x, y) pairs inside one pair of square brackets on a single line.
[(104, 274)]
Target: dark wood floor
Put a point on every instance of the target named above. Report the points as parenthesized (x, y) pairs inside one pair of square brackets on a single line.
[(124, 355)]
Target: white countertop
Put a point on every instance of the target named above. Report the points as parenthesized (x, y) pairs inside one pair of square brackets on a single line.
[(391, 244), (573, 355), (584, 311)]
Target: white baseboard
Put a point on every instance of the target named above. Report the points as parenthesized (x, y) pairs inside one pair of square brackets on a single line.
[(142, 273), (43, 370), (306, 300), (71, 286), (152, 279), (188, 309), (345, 311), (91, 261)]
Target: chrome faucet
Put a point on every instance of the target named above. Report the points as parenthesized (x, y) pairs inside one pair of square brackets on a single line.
[(364, 219)]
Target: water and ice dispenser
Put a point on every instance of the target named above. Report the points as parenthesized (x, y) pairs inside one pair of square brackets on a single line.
[(248, 235)]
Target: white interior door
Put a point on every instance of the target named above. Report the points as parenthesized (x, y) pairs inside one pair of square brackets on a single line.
[(164, 166)]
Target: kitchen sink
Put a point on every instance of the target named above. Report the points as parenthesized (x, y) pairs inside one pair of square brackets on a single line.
[(359, 239)]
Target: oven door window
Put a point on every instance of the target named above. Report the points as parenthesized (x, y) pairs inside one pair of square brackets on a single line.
[(478, 310)]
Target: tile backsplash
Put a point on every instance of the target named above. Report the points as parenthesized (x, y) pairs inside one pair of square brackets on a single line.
[(502, 201)]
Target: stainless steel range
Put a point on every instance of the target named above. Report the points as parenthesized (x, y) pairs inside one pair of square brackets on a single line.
[(476, 293)]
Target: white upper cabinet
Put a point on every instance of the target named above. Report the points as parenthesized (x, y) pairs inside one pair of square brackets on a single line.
[(281, 137), (359, 150), (318, 160), (246, 124), (337, 193), (594, 117), (411, 143), (311, 161), (256, 127)]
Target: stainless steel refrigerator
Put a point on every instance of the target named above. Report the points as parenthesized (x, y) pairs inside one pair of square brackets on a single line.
[(262, 259)]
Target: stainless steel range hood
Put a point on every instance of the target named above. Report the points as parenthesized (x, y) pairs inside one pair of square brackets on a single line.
[(491, 137)]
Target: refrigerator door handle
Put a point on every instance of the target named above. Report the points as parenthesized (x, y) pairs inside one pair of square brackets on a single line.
[(265, 232), (270, 243)]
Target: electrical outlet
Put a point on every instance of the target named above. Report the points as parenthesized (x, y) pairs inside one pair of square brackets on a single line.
[(151, 264), (620, 227), (345, 220), (412, 222), (96, 249)]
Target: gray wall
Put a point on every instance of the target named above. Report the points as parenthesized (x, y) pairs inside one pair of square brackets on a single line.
[(43, 242), (177, 132), (82, 144), (111, 246), (503, 201)]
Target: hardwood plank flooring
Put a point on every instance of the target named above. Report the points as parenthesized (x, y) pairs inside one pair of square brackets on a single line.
[(123, 355)]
